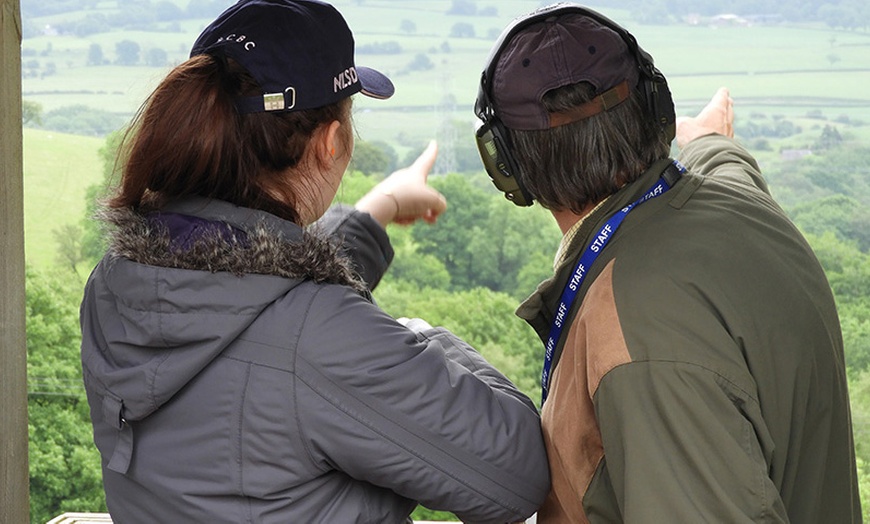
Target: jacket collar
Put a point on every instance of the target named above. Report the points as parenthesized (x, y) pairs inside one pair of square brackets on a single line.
[(538, 309), (221, 236)]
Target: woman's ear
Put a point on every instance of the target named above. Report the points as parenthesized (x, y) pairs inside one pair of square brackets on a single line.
[(327, 142)]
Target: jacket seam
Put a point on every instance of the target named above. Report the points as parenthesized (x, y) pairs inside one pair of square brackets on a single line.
[(764, 505), (431, 462), (255, 362), (685, 363), (468, 361), (152, 380), (295, 400), (764, 510), (239, 432), (208, 314)]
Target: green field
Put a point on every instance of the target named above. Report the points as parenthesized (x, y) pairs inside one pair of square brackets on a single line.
[(811, 75), (697, 59), (58, 169)]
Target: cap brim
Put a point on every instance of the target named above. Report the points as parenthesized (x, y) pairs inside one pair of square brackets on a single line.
[(374, 83)]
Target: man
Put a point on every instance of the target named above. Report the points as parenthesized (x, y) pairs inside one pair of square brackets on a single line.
[(694, 364)]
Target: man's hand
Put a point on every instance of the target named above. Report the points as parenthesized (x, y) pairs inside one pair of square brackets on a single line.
[(716, 117)]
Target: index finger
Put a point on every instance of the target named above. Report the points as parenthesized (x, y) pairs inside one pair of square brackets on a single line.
[(423, 164)]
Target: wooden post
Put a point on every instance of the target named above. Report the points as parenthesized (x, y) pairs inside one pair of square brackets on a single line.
[(14, 478)]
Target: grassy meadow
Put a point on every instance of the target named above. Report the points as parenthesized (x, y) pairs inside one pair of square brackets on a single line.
[(811, 75), (58, 169)]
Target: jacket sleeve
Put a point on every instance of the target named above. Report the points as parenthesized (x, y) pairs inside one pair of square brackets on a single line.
[(682, 444), (722, 157), (421, 414), (364, 241)]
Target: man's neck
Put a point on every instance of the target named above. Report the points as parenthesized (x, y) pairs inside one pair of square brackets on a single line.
[(567, 218)]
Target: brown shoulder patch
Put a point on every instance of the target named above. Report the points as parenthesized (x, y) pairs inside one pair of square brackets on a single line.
[(597, 328), (595, 345)]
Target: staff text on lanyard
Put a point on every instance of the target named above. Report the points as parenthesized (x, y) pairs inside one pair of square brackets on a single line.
[(590, 254)]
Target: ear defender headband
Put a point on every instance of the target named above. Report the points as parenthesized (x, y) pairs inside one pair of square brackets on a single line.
[(493, 140)]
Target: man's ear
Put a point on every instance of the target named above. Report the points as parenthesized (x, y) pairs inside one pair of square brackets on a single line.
[(327, 142)]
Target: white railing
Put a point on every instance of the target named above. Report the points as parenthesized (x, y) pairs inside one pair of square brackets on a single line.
[(104, 518)]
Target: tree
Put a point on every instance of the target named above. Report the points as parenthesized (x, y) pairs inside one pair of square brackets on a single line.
[(156, 57), (462, 7), (166, 11), (855, 324), (449, 239), (864, 486), (848, 271), (843, 216), (95, 55), (484, 241), (82, 120), (50, 69), (841, 15), (128, 52), (69, 246), (369, 158), (504, 244), (91, 24), (830, 138), (390, 152), (538, 268), (31, 112), (859, 393), (462, 30), (490, 11), (65, 470), (844, 170), (380, 48), (408, 26), (421, 62), (135, 15), (412, 268)]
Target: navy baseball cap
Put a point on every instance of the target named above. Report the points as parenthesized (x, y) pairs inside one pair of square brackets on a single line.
[(300, 52)]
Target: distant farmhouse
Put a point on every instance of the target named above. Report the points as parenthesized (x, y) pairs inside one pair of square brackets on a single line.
[(732, 20)]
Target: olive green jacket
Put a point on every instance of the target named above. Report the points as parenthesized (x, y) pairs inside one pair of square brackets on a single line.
[(701, 378)]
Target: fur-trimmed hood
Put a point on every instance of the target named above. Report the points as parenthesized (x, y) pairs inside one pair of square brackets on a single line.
[(263, 244)]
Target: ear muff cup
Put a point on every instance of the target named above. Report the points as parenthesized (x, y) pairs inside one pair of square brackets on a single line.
[(494, 146)]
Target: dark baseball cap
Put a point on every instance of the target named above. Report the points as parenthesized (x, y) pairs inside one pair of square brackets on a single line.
[(300, 52), (555, 52)]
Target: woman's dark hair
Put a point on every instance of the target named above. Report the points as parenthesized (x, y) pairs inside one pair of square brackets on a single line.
[(571, 166), (189, 139)]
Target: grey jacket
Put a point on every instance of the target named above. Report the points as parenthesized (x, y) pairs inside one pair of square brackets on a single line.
[(237, 371)]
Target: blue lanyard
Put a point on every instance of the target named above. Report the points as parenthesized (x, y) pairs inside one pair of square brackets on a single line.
[(671, 175)]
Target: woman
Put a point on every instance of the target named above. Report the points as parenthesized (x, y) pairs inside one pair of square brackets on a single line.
[(236, 368)]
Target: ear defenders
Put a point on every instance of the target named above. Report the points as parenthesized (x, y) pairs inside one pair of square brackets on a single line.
[(493, 140)]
